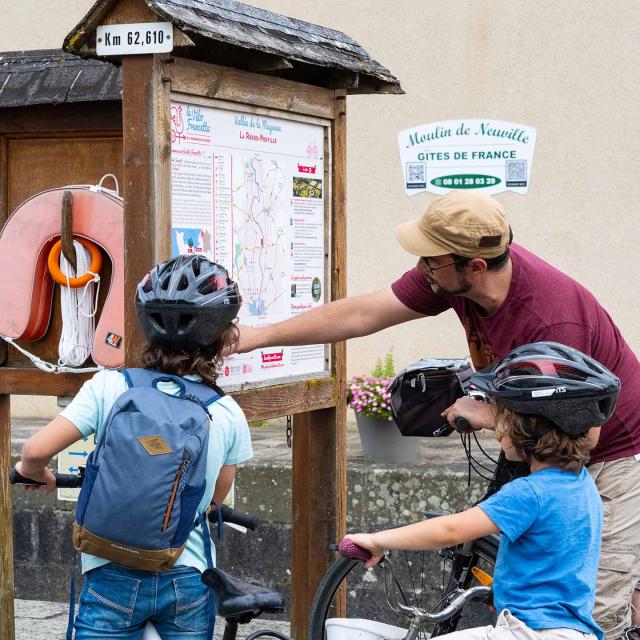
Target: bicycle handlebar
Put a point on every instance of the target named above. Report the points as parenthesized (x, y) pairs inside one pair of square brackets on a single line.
[(349, 549), (234, 517), (74, 481), (463, 425), (63, 480)]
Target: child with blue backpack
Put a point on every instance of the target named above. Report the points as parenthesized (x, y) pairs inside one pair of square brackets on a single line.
[(167, 444), (548, 402)]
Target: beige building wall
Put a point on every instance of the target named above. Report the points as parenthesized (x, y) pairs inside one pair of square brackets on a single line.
[(566, 68)]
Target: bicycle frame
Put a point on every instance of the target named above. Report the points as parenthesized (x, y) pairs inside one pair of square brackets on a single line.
[(419, 616)]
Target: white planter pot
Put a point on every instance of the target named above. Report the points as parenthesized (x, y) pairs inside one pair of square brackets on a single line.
[(382, 441)]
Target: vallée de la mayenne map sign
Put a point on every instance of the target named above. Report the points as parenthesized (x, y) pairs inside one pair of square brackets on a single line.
[(247, 192)]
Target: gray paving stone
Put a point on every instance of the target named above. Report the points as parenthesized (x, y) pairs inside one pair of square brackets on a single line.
[(37, 620)]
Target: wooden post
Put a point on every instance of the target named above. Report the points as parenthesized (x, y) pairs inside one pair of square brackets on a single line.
[(146, 150), (4, 213), (7, 623), (339, 290), (319, 437)]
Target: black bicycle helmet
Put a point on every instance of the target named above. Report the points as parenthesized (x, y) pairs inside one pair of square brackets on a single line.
[(572, 390), (186, 302)]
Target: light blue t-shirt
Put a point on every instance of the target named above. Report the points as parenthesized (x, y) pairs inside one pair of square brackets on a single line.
[(547, 563), (229, 443)]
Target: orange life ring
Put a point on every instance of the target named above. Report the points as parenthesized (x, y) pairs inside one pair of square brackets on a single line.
[(25, 242), (53, 262)]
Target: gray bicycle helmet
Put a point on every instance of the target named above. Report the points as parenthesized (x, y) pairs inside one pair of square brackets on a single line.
[(186, 302), (569, 388)]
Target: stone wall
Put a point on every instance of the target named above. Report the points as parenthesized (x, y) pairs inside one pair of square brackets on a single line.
[(378, 497)]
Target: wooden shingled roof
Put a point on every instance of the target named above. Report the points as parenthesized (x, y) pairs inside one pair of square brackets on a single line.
[(255, 39), (50, 76)]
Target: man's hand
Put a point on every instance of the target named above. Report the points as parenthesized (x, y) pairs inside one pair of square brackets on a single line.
[(479, 414), (367, 541), (248, 340), (43, 475)]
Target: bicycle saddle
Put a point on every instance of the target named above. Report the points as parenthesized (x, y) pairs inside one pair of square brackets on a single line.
[(241, 600)]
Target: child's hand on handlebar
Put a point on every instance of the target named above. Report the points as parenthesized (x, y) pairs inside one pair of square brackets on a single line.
[(366, 540), (45, 476), (478, 414)]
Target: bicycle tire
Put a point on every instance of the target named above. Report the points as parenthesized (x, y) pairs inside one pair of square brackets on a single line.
[(348, 576)]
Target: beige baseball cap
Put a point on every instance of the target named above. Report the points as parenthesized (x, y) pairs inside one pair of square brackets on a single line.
[(464, 223)]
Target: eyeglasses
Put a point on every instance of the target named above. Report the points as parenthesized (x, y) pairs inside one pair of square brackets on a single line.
[(432, 269)]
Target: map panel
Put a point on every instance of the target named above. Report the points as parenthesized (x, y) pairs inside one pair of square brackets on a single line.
[(248, 193)]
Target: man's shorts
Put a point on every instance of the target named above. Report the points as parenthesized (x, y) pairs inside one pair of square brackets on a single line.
[(618, 482)]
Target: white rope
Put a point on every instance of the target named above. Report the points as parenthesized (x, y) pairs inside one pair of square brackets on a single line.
[(115, 180), (78, 308), (49, 367)]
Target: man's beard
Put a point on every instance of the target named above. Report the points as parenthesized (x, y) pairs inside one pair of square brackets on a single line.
[(464, 286)]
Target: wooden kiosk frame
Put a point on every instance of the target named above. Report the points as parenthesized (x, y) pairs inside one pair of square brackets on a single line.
[(293, 69)]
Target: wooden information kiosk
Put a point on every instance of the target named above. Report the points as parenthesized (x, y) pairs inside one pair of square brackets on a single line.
[(245, 109)]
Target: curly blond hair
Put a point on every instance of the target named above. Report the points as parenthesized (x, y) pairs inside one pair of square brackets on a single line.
[(554, 446)]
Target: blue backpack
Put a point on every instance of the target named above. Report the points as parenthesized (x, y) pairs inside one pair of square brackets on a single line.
[(144, 481)]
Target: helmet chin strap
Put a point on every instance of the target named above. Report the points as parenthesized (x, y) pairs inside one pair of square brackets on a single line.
[(535, 432)]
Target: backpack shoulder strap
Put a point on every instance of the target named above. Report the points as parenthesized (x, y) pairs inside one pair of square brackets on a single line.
[(206, 394), (137, 377), (219, 393)]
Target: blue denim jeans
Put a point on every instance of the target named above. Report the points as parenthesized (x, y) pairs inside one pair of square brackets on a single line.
[(116, 603)]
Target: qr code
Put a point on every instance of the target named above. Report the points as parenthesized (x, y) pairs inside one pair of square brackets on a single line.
[(516, 173), (416, 175)]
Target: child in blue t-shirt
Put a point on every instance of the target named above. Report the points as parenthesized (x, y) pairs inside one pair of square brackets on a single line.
[(186, 308), (547, 402)]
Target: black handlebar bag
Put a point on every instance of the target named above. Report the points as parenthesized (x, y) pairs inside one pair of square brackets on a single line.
[(422, 391)]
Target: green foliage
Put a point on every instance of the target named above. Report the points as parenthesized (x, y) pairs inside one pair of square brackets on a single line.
[(259, 423), (384, 369)]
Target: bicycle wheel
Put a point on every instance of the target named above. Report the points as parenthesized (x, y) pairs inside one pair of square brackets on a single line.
[(422, 578)]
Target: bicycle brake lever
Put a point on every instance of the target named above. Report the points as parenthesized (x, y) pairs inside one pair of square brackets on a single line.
[(444, 430)]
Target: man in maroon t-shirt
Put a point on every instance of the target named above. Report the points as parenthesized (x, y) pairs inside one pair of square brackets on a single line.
[(504, 297)]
